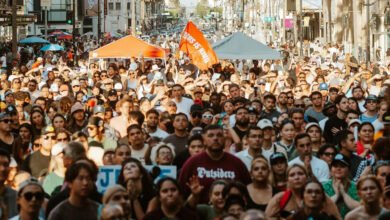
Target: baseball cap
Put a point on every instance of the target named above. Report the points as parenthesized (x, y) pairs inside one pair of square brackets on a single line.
[(252, 110), (372, 97), (112, 92), (11, 109), (311, 124), (76, 107), (339, 158), (99, 109), (277, 156), (323, 86), (75, 82), (196, 108), (47, 130), (265, 123), (353, 121), (9, 92), (4, 115), (118, 86)]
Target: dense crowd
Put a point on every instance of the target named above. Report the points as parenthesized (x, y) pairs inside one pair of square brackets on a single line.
[(249, 139)]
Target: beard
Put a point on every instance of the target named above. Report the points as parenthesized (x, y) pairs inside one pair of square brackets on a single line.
[(243, 123)]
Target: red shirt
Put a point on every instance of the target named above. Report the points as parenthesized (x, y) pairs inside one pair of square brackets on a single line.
[(208, 170)]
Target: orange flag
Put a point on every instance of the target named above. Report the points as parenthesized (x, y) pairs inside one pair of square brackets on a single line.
[(196, 46)]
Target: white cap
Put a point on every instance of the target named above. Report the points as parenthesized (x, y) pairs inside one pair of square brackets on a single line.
[(53, 88), (118, 86), (153, 154), (311, 124), (75, 82), (265, 123), (353, 121)]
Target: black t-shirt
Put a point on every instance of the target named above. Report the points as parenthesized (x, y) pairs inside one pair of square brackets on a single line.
[(239, 132), (7, 147), (333, 122), (36, 163)]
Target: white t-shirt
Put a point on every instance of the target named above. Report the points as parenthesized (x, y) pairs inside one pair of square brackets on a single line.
[(139, 154), (319, 167), (184, 106), (159, 133)]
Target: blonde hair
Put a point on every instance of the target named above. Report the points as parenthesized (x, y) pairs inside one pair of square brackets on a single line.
[(263, 160)]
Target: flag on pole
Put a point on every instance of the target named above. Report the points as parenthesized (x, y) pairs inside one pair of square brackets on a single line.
[(196, 46)]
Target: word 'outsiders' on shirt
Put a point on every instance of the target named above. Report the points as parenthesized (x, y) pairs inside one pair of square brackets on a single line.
[(218, 173)]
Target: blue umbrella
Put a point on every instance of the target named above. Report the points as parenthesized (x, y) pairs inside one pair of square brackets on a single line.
[(52, 47), (34, 40)]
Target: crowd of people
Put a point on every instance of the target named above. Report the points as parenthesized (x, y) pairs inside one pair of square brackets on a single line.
[(250, 139)]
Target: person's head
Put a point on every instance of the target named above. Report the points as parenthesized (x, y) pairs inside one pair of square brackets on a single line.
[(135, 135), (113, 212), (152, 116), (195, 145), (125, 106), (207, 116), (297, 116), (260, 170), (303, 145), (313, 195), (282, 98), (177, 91), (235, 205), (357, 93), (278, 162), (341, 103), (353, 104), (180, 122), (381, 171), (213, 138), (25, 132), (30, 197), (163, 154), (296, 176), (351, 115), (369, 189), (269, 102), (254, 137), (117, 194), (216, 194), (314, 131), (287, 131), (5, 122), (371, 103), (234, 90), (95, 126), (80, 178), (168, 193), (333, 92), (73, 151), (48, 138), (228, 107), (327, 152), (366, 133), (346, 141), (316, 98), (132, 169), (63, 136), (58, 121), (242, 118), (122, 153), (340, 167), (37, 118)]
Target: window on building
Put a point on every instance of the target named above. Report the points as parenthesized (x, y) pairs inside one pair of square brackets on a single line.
[(118, 6), (111, 6)]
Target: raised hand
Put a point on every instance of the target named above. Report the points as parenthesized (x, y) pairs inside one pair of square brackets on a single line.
[(194, 185)]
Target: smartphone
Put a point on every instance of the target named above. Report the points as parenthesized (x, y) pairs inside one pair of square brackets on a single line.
[(220, 121)]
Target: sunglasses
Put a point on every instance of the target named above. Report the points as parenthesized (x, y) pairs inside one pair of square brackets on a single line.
[(207, 116), (62, 140), (29, 196), (328, 154), (7, 121), (49, 137)]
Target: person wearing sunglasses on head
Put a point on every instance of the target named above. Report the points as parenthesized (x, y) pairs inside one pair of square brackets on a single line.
[(30, 199), (37, 162)]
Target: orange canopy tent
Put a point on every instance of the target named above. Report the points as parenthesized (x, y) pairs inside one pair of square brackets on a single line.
[(128, 47)]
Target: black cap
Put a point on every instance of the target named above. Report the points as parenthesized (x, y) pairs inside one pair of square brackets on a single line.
[(112, 92), (252, 110), (341, 159), (96, 121), (277, 156), (196, 108), (11, 110)]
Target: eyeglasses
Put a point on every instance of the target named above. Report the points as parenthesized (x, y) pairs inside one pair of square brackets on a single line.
[(196, 115), (207, 116), (329, 154), (29, 196), (49, 137)]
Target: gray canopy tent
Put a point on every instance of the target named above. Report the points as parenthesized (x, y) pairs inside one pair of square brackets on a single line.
[(240, 46)]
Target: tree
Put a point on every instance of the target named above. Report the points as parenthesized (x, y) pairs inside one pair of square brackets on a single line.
[(202, 8)]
